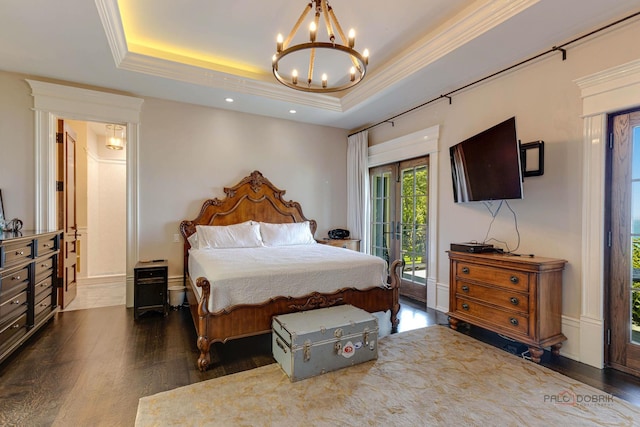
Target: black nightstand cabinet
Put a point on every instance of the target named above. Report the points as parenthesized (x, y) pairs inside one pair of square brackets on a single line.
[(150, 288)]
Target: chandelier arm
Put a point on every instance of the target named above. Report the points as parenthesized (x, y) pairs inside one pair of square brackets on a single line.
[(345, 41), (327, 21), (312, 58), (293, 32)]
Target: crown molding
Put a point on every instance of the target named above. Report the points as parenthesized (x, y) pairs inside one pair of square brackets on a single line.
[(472, 22)]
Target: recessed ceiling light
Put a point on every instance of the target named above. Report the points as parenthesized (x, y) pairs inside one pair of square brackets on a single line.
[(229, 99), (292, 111)]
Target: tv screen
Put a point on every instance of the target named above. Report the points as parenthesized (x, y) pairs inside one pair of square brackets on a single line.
[(487, 165)]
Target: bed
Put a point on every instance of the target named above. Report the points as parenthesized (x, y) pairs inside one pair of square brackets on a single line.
[(234, 292)]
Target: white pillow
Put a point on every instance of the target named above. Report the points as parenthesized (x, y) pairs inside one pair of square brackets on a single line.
[(193, 240), (243, 235), (297, 233)]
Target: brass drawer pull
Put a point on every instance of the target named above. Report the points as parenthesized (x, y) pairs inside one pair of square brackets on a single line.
[(44, 265), (465, 288), (514, 300), (16, 326), (44, 284), (465, 307), (514, 279), (15, 302), (465, 270), (46, 245), (19, 252), (15, 278), (513, 321), (44, 304)]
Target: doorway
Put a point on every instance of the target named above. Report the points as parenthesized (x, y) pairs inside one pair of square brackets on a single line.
[(100, 175), (399, 220), (51, 100), (624, 252)]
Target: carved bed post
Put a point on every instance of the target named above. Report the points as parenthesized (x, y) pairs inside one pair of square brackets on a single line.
[(395, 286), (203, 342)]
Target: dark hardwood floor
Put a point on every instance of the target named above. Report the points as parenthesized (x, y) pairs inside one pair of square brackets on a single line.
[(90, 367)]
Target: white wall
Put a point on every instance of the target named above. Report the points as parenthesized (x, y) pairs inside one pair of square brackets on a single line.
[(190, 153), (187, 154), (547, 104)]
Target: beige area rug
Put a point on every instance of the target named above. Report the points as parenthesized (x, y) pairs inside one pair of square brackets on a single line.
[(426, 377)]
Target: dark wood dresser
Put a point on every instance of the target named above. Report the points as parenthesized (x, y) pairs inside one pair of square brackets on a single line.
[(519, 297), (28, 281)]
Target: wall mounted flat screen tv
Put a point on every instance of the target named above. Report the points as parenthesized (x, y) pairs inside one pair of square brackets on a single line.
[(487, 165)]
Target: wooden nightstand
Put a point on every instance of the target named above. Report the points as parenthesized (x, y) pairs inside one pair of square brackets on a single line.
[(353, 244), (150, 287)]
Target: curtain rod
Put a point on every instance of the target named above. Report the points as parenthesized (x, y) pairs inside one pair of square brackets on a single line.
[(560, 48)]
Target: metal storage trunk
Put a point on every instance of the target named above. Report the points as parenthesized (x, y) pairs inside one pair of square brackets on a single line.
[(313, 342)]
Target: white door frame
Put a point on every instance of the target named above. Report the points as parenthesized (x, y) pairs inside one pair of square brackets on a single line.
[(608, 91), (53, 101)]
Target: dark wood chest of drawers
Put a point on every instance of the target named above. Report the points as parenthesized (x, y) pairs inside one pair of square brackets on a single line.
[(28, 281), (519, 297)]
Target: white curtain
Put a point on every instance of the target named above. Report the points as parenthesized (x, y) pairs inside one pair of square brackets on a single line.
[(358, 188)]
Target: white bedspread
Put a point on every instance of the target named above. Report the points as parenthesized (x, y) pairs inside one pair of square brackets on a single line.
[(254, 275)]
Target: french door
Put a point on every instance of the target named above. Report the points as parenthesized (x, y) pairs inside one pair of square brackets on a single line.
[(399, 220), (624, 255)]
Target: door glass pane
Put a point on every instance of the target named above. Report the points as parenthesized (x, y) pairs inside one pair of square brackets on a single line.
[(413, 226), (380, 214), (635, 238)]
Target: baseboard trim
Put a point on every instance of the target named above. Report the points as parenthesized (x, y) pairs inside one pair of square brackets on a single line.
[(101, 280)]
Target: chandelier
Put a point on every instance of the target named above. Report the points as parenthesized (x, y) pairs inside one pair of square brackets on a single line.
[(341, 65), (115, 137)]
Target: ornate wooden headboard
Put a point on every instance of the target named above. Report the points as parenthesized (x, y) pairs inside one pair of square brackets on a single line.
[(254, 198)]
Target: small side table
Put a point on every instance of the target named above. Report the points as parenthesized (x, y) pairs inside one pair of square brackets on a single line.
[(353, 244), (150, 285)]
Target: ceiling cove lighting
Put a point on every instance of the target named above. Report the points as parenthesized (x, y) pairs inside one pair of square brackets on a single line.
[(340, 65), (115, 137)]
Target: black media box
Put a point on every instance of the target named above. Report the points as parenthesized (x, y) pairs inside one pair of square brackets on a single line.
[(471, 247)]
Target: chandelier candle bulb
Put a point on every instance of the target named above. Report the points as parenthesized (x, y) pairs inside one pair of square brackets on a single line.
[(352, 38), (279, 42), (294, 77), (324, 81), (353, 73), (365, 54), (312, 32)]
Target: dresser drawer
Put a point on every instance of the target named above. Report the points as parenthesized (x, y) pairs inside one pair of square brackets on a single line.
[(43, 303), (46, 245), (14, 253), (44, 286), (509, 279), (501, 297), (10, 307), (511, 321), (12, 331), (13, 281), (43, 266), (151, 273)]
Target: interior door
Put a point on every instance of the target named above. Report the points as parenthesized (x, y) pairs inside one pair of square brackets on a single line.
[(624, 256), (66, 211), (399, 220)]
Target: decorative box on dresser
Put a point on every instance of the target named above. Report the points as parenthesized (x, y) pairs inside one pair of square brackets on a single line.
[(353, 244), (519, 297), (28, 282)]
